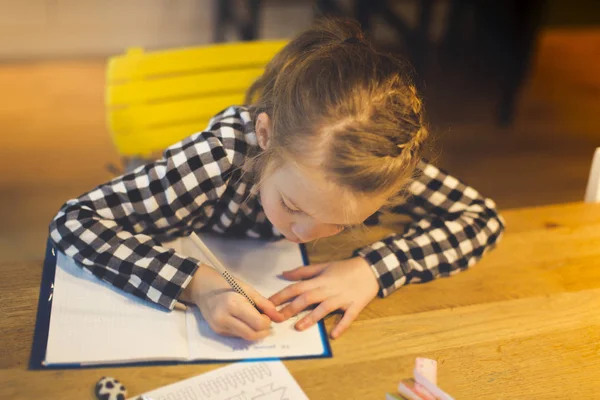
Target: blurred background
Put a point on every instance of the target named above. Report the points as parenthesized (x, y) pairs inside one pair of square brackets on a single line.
[(511, 88)]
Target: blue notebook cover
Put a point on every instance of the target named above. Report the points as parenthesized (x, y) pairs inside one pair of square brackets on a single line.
[(40, 338)]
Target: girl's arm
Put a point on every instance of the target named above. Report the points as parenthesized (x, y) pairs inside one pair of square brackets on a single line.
[(453, 227), (115, 230)]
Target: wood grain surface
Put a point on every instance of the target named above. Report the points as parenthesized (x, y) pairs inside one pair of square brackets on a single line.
[(521, 324)]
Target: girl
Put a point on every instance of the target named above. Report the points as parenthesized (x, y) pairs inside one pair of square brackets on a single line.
[(334, 132)]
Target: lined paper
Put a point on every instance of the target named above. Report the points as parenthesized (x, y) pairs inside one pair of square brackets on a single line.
[(92, 322), (240, 381), (260, 264)]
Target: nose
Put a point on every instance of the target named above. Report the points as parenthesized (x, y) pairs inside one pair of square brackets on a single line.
[(308, 231), (304, 231)]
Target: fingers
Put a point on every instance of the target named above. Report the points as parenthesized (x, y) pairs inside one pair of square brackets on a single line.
[(317, 314), (238, 328), (263, 304), (349, 316), (269, 309), (305, 272), (291, 291), (303, 301), (246, 313), (235, 316)]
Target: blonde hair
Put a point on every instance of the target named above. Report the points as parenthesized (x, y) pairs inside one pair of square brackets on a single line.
[(331, 97)]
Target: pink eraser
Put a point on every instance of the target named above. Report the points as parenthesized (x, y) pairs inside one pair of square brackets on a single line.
[(427, 368)]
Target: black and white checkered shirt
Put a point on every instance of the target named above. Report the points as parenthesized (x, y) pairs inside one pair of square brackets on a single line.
[(116, 230)]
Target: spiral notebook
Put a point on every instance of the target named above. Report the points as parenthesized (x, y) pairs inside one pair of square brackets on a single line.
[(84, 321)]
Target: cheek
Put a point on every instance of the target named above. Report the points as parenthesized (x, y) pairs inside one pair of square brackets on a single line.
[(275, 213)]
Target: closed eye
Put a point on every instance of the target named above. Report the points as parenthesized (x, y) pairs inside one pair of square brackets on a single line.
[(286, 208), (290, 210)]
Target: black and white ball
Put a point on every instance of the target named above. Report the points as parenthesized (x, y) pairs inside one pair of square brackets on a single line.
[(109, 388)]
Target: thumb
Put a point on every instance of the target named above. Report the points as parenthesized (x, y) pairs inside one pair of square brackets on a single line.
[(305, 272), (268, 308), (263, 304)]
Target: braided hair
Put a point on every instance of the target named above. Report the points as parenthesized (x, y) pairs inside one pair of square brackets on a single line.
[(337, 103)]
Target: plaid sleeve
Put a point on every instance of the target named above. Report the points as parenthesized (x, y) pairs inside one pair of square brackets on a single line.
[(115, 230), (453, 227)]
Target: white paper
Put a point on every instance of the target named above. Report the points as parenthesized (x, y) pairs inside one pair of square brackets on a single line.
[(93, 322), (258, 264), (240, 381)]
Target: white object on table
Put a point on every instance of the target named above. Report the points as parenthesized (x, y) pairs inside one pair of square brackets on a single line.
[(239, 381)]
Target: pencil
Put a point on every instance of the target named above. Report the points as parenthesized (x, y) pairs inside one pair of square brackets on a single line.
[(219, 267)]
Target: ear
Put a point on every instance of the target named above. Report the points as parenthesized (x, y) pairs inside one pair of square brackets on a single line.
[(263, 130)]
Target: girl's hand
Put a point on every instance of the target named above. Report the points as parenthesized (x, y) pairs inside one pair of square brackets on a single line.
[(228, 313), (348, 285)]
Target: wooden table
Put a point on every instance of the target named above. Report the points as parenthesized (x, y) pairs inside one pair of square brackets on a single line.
[(522, 324)]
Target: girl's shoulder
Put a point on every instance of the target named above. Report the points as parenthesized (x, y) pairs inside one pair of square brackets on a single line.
[(233, 122), (234, 129), (230, 131)]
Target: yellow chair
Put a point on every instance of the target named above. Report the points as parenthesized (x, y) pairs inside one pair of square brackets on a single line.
[(157, 98)]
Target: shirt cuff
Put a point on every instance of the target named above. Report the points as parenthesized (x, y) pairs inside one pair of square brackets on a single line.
[(172, 279), (386, 266)]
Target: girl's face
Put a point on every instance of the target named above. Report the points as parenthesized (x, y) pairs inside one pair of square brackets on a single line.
[(304, 206)]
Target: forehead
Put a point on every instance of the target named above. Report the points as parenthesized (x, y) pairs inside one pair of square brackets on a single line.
[(311, 191)]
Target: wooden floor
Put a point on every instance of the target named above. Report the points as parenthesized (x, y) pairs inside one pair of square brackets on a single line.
[(54, 143)]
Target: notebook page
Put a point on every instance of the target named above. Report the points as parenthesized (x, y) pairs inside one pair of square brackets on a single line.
[(258, 263), (240, 381), (92, 322)]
